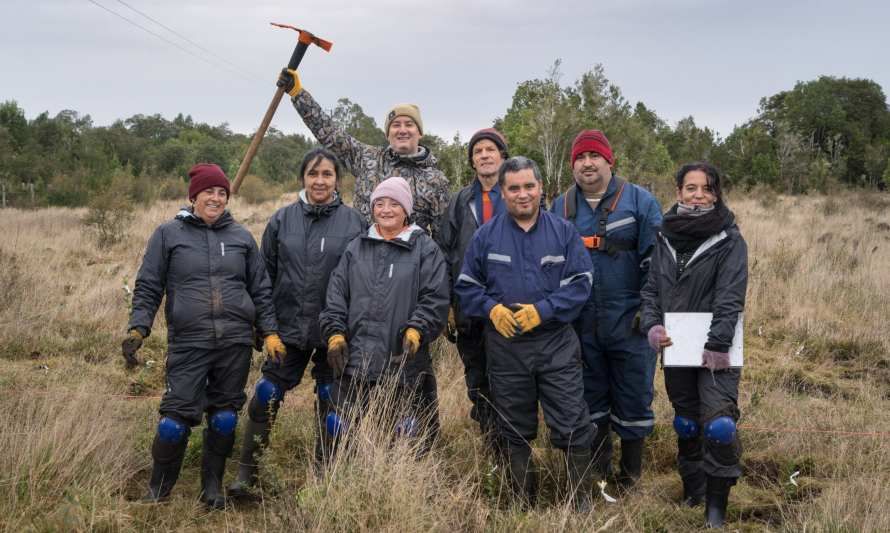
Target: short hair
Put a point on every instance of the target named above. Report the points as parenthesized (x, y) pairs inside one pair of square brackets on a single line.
[(710, 171), (319, 153), (515, 164)]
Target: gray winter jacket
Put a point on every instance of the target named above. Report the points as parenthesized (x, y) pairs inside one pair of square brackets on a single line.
[(301, 246), (379, 289), (714, 281), (214, 279)]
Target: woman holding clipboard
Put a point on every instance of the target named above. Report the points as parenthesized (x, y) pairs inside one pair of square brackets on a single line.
[(700, 264)]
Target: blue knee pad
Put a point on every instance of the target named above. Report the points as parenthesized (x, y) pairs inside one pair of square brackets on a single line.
[(224, 422), (407, 427), (171, 431), (334, 424), (324, 391), (686, 428), (721, 430), (267, 391)]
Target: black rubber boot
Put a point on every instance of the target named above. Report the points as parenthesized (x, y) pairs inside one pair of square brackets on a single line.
[(602, 450), (579, 470), (523, 477), (217, 448), (631, 463), (717, 497), (165, 470), (256, 439), (694, 488)]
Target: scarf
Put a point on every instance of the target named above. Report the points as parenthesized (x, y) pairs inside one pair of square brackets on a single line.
[(687, 228)]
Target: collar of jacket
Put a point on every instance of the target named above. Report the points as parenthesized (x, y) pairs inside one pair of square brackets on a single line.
[(423, 158), (405, 238), (316, 210), (187, 214)]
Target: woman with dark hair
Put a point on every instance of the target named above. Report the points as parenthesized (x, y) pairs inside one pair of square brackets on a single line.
[(301, 246), (700, 264), (387, 302), (218, 298)]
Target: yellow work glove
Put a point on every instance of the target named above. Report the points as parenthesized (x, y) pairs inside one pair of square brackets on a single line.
[(130, 346), (503, 321), (410, 343), (289, 80), (274, 348), (527, 317), (338, 354)]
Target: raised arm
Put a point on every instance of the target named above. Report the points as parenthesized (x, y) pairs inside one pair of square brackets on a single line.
[(349, 149)]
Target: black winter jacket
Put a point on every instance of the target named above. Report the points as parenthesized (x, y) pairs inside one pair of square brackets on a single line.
[(301, 246), (714, 281), (379, 289), (458, 226), (214, 279)]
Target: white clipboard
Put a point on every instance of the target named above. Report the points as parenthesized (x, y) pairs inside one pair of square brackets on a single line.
[(689, 333)]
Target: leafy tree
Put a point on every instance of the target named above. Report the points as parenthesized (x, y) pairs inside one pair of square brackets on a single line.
[(352, 118)]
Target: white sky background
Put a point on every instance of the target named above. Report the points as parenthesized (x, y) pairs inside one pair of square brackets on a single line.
[(459, 60)]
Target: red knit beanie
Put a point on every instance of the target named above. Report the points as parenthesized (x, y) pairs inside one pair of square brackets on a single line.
[(592, 141), (204, 176)]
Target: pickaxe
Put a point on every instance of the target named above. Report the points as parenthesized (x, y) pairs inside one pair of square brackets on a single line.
[(306, 38)]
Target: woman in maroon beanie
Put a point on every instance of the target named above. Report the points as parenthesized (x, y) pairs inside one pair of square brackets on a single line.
[(217, 292)]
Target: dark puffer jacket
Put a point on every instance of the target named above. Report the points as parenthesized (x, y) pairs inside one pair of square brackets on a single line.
[(301, 246), (379, 289), (714, 280), (214, 279)]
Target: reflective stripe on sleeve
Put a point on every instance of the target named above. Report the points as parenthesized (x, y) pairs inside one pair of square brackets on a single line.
[(576, 277), (469, 279)]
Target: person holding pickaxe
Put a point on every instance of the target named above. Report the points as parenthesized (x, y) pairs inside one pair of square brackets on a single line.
[(403, 156)]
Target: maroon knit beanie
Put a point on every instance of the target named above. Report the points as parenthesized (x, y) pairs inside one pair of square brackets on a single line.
[(592, 141), (492, 135), (204, 176)]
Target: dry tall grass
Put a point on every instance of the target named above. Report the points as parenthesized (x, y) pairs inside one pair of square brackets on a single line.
[(75, 428)]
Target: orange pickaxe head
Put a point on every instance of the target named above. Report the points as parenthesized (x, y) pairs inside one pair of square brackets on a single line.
[(306, 37)]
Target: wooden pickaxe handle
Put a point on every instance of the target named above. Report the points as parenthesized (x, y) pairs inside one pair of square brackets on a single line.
[(305, 40)]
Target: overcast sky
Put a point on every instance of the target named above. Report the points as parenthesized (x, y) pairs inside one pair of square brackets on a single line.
[(459, 60)]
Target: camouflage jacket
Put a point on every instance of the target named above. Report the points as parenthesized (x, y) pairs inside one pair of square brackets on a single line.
[(371, 164)]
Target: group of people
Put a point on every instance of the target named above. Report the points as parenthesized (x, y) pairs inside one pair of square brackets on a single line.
[(562, 308)]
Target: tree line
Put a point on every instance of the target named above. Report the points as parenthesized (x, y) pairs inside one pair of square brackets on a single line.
[(820, 133)]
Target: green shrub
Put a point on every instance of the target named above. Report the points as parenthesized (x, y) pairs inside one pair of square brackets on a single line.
[(110, 212), (256, 190)]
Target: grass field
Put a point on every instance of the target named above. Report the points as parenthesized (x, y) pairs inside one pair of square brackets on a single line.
[(75, 427)]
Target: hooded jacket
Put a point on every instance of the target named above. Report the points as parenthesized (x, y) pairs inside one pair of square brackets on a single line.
[(216, 286), (301, 246), (714, 280), (379, 289), (372, 164)]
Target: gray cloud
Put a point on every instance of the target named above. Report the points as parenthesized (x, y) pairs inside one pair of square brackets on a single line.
[(460, 61)]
